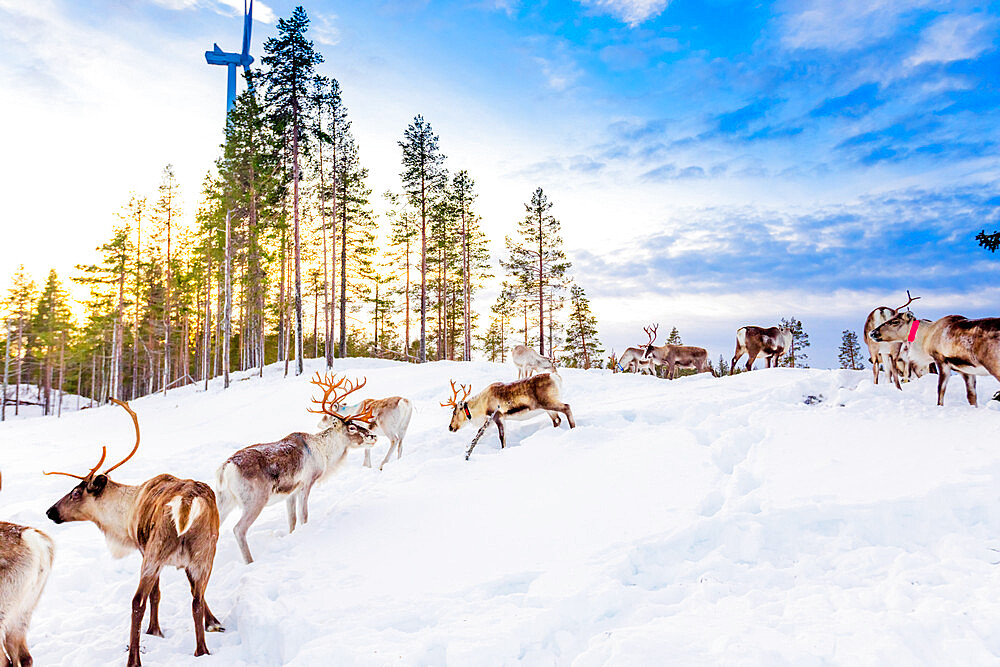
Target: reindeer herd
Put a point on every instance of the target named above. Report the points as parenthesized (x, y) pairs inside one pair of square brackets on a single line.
[(175, 522)]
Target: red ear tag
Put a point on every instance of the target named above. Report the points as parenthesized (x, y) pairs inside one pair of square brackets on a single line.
[(913, 331), (468, 414)]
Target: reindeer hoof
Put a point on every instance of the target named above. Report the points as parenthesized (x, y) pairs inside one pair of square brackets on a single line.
[(214, 627), (156, 633)]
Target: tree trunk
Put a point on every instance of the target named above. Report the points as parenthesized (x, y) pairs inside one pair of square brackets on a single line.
[(541, 299), (298, 253), (423, 269), (343, 276), (227, 315)]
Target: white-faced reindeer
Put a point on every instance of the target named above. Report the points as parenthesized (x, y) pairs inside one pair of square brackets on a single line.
[(632, 360), (391, 417), (528, 362), (260, 474), (969, 347), (676, 356), (25, 561), (517, 400), (751, 341), (170, 521), (889, 353)]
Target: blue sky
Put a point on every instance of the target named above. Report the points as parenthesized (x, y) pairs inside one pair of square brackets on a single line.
[(713, 163)]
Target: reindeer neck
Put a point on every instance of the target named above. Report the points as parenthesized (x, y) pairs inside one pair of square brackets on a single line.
[(114, 517)]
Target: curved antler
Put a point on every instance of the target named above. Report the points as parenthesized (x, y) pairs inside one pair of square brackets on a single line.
[(135, 421), (909, 300), (454, 400), (88, 476), (651, 332), (330, 384)]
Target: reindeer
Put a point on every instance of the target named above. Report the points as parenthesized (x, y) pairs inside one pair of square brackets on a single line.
[(684, 356), (25, 561), (751, 341), (528, 361), (517, 400), (260, 474), (889, 354), (170, 521), (391, 418), (632, 360), (969, 347)]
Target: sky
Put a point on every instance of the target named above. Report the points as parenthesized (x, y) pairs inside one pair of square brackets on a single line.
[(713, 163)]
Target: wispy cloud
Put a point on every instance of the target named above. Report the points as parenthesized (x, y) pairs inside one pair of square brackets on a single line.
[(632, 12), (954, 37), (261, 12), (841, 25)]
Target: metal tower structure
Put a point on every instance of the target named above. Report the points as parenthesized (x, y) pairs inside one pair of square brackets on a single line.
[(219, 57)]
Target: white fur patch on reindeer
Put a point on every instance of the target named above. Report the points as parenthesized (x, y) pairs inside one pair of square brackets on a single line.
[(182, 522)]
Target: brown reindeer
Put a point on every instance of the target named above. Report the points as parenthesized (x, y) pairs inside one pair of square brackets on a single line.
[(517, 400), (632, 360), (25, 561), (751, 341), (676, 356), (288, 468), (889, 353), (170, 521), (391, 417), (969, 347)]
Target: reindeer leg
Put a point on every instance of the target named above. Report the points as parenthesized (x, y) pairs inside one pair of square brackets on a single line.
[(290, 508), (393, 444), (146, 582), (198, 584), (970, 388), (304, 499), (154, 610), (251, 511), (944, 370), (555, 417), (368, 458), (498, 420), (569, 415)]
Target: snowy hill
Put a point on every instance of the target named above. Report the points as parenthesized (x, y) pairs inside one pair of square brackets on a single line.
[(699, 521)]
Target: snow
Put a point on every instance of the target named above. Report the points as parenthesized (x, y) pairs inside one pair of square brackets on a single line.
[(697, 521)]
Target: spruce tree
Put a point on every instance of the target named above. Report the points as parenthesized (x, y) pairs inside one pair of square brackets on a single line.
[(795, 357), (291, 60), (850, 351), (582, 349), (20, 300), (537, 259), (424, 178), (675, 337), (166, 211), (403, 234), (52, 322)]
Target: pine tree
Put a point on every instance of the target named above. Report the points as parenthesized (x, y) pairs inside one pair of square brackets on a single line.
[(291, 60), (51, 323), (21, 298), (402, 236), (796, 357), (165, 213), (537, 258), (850, 351), (582, 348), (675, 337), (424, 178)]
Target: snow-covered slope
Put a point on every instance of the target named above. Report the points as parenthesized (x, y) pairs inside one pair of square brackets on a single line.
[(699, 521)]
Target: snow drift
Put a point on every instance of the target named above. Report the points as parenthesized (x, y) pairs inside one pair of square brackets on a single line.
[(780, 516)]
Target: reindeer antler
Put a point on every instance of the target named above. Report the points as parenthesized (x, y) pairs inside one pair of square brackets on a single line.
[(104, 450), (330, 384), (135, 421), (651, 332), (366, 414), (909, 300), (454, 400), (88, 476)]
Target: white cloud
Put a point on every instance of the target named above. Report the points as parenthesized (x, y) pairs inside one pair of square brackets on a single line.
[(261, 12), (323, 30), (950, 38), (841, 25), (632, 12)]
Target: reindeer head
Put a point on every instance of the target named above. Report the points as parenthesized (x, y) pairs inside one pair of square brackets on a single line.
[(460, 406), (333, 408), (83, 502), (648, 346), (895, 329)]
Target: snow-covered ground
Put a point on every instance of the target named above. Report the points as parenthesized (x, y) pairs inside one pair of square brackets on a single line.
[(699, 521)]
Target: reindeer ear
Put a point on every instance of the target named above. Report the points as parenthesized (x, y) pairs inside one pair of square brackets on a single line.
[(96, 485)]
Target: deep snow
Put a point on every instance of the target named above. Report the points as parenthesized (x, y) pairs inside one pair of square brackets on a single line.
[(698, 521)]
